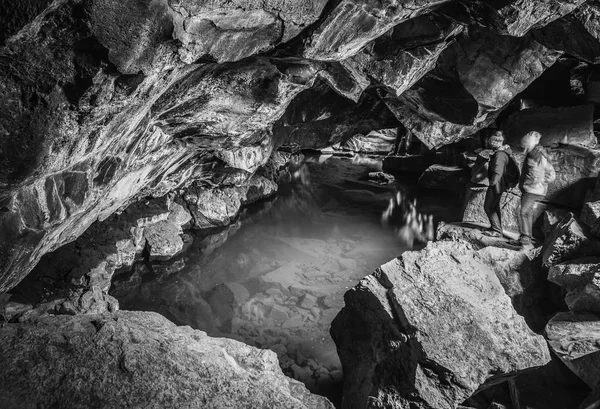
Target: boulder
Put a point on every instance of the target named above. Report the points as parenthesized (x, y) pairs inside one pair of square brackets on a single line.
[(581, 279), (590, 216), (550, 219), (374, 142), (573, 337), (510, 205), (179, 215), (138, 359), (401, 327), (163, 240), (568, 241), (565, 125), (440, 177), (576, 169)]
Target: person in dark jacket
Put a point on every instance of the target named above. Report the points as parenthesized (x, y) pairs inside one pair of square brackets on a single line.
[(498, 165), (537, 173)]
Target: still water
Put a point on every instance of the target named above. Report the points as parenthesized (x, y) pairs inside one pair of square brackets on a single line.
[(276, 278)]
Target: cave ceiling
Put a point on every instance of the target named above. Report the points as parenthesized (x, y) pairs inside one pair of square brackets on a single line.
[(104, 101)]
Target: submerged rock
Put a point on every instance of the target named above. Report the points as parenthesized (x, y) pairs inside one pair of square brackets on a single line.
[(441, 177), (138, 359), (402, 326), (574, 339)]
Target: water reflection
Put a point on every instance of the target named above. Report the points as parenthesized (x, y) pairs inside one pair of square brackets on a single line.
[(276, 278)]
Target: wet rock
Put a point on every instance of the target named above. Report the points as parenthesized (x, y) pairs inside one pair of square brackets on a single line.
[(409, 163), (398, 334), (581, 279), (224, 299), (568, 241), (566, 125), (381, 178), (374, 142), (178, 215), (218, 207), (163, 240), (93, 301), (132, 357), (439, 177), (573, 337)]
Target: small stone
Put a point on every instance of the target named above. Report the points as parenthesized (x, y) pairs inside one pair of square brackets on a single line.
[(307, 301), (279, 314), (347, 263), (293, 322)]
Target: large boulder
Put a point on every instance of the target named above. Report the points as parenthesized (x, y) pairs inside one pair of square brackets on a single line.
[(138, 359), (400, 330), (440, 177), (581, 279), (573, 336), (590, 216), (568, 241), (374, 142), (509, 207), (566, 125)]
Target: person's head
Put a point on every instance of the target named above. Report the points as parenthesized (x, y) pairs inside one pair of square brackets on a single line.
[(496, 140), (530, 140)]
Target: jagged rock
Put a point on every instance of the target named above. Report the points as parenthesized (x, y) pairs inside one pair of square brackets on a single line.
[(590, 216), (523, 15), (354, 23), (550, 219), (398, 334), (92, 301), (439, 177), (134, 358), (576, 168), (178, 215), (163, 240), (574, 339), (510, 205), (219, 207), (473, 79), (581, 279), (230, 31), (319, 117), (568, 241), (568, 125), (374, 142)]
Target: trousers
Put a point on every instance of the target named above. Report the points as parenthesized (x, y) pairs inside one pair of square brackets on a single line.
[(491, 206), (526, 215)]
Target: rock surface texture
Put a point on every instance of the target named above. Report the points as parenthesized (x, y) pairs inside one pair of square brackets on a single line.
[(103, 103), (138, 359), (402, 326)]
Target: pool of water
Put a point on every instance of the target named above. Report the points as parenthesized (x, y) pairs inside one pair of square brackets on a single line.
[(276, 278)]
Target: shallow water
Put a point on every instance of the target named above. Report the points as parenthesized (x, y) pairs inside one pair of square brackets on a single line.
[(276, 278)]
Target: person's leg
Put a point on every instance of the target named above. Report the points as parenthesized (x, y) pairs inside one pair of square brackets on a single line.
[(526, 223), (491, 206)]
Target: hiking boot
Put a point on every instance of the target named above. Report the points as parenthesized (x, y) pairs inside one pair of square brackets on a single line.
[(493, 233)]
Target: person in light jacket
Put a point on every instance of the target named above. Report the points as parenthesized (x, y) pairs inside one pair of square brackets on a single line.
[(536, 175)]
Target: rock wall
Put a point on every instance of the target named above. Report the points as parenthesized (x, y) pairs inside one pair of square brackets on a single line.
[(105, 102)]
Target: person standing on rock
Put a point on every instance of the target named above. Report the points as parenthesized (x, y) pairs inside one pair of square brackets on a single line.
[(502, 174), (536, 175)]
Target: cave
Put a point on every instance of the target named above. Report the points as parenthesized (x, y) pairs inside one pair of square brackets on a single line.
[(300, 204)]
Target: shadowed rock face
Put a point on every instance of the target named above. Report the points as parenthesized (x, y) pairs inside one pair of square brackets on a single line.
[(105, 102), (139, 359)]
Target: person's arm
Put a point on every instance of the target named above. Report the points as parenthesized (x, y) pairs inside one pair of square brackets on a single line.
[(497, 167), (550, 174)]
